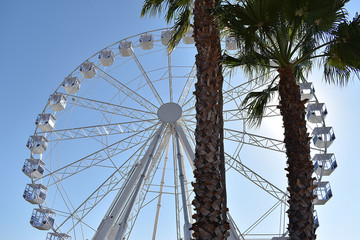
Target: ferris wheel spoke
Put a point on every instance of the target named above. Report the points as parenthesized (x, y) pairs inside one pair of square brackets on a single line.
[(188, 112), (105, 107), (75, 219), (263, 217), (153, 89), (170, 77), (235, 93), (255, 178), (124, 172), (189, 105), (188, 86), (117, 177), (240, 114), (101, 155), (227, 79), (256, 140), (128, 92), (100, 130)]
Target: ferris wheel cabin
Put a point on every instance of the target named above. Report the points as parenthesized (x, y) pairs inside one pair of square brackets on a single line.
[(37, 144), (42, 219), (35, 193), (323, 137), (165, 37), (323, 192), (146, 41), (71, 85), (230, 43), (307, 90), (57, 102), (106, 57), (46, 122), (126, 48), (325, 163), (316, 112), (33, 168), (188, 37), (88, 70), (316, 220)]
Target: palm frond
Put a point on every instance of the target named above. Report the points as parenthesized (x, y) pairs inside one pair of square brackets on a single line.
[(324, 17), (178, 10), (252, 63), (255, 103), (153, 7), (343, 55), (181, 26)]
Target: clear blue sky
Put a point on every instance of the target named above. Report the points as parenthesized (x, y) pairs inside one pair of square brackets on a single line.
[(42, 41)]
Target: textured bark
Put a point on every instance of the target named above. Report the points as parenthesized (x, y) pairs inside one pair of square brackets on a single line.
[(299, 165), (209, 185)]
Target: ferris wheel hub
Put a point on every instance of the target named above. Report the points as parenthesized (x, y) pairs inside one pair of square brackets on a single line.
[(169, 112)]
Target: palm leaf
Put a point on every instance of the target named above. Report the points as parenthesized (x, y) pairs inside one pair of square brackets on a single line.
[(343, 54), (179, 11), (256, 102)]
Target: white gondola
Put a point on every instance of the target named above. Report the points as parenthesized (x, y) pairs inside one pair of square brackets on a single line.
[(188, 37), (280, 238), (46, 122), (57, 236), (57, 102), (230, 43), (126, 48), (316, 220), (307, 90), (37, 144), (324, 163), (42, 219), (71, 85), (316, 112), (88, 69), (146, 41), (35, 193), (106, 57), (323, 192), (33, 168), (165, 37), (323, 137), (272, 63)]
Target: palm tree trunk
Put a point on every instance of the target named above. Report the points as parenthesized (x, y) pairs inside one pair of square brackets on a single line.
[(209, 186), (300, 167)]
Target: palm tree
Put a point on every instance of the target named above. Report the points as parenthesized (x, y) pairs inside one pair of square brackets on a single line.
[(288, 36), (209, 186)]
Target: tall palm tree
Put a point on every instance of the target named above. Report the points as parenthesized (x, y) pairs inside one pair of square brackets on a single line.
[(209, 186), (288, 36)]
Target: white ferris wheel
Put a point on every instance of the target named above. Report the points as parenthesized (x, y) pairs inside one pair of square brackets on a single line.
[(111, 155)]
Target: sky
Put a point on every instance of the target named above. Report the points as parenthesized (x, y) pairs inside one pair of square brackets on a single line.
[(43, 41)]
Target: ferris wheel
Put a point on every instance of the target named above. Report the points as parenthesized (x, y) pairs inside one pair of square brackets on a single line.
[(112, 153)]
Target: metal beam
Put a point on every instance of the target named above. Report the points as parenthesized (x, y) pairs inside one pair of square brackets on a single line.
[(187, 225), (147, 79), (107, 224)]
